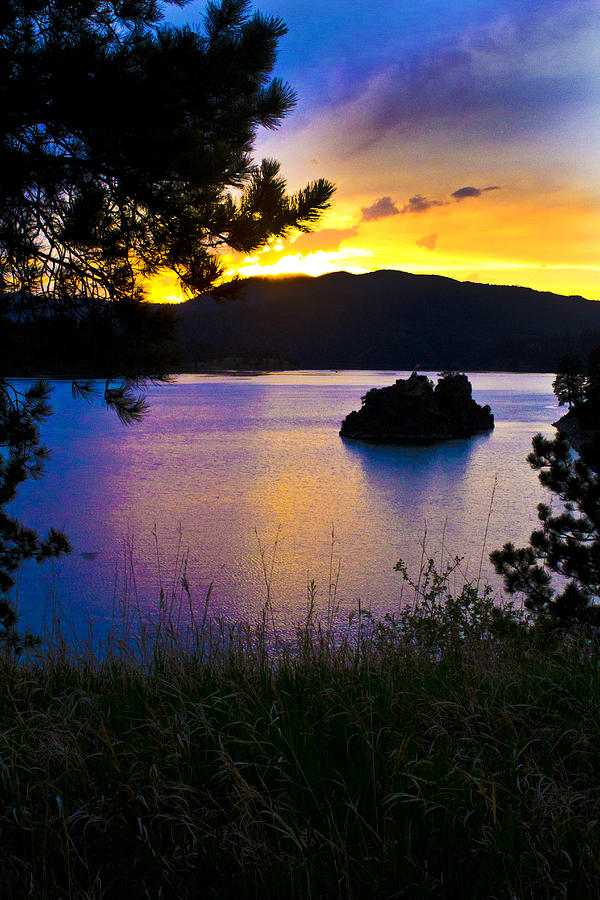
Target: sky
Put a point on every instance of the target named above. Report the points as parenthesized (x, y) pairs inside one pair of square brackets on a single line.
[(463, 137)]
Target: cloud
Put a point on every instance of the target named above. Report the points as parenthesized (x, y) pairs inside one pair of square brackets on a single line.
[(428, 241), (348, 260), (464, 192), (385, 207), (419, 204), (379, 210), (327, 240), (518, 74)]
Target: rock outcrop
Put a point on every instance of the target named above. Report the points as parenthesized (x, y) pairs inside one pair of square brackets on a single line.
[(581, 425), (413, 410)]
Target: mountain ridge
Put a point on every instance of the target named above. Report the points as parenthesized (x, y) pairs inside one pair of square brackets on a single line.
[(389, 319)]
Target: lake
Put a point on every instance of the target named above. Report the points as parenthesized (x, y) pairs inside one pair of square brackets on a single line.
[(237, 481)]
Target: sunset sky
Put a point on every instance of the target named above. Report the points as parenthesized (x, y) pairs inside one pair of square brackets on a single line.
[(463, 137)]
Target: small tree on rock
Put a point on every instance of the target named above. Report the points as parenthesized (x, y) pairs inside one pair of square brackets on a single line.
[(570, 382), (592, 382)]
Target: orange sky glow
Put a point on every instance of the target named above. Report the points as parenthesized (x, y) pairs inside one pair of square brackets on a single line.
[(463, 143)]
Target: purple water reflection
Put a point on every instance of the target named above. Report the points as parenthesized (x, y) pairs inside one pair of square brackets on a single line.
[(222, 462)]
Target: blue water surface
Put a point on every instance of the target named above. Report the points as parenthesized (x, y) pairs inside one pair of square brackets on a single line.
[(243, 483)]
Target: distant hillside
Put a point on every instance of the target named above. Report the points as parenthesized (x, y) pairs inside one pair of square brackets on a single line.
[(387, 319)]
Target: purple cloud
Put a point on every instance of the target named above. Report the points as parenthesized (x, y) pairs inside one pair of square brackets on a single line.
[(379, 210), (464, 192), (419, 204), (500, 80)]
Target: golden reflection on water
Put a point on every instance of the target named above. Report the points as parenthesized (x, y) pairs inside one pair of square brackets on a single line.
[(223, 463)]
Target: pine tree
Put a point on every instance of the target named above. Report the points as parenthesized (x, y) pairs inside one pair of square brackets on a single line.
[(570, 382), (567, 543), (21, 457), (126, 149), (592, 382)]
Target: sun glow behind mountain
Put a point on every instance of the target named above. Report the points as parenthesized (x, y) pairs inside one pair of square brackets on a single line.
[(463, 142)]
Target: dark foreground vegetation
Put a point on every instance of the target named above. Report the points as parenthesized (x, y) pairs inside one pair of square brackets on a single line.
[(450, 752)]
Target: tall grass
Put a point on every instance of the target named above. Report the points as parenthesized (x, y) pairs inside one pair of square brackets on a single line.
[(450, 751)]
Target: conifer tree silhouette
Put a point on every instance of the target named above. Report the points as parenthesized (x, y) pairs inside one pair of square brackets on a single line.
[(567, 543), (126, 149)]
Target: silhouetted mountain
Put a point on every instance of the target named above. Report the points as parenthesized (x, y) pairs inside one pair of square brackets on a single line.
[(390, 320)]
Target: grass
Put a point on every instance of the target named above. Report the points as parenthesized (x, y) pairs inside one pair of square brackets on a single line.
[(452, 751)]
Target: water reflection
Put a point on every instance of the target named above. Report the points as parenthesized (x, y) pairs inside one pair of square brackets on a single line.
[(220, 459), (438, 492), (414, 467)]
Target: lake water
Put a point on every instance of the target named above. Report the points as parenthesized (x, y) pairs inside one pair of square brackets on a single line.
[(226, 469)]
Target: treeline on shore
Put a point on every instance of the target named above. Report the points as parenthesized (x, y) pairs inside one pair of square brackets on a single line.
[(134, 340), (389, 320)]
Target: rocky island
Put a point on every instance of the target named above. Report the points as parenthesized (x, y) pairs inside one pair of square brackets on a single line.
[(413, 411)]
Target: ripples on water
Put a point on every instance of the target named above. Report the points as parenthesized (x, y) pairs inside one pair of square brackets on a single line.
[(222, 462)]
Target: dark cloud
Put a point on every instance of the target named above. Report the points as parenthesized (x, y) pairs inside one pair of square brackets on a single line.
[(419, 204), (428, 241), (464, 192), (379, 210)]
